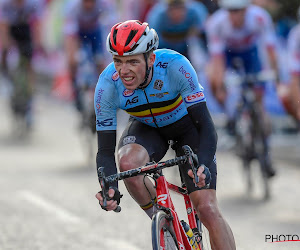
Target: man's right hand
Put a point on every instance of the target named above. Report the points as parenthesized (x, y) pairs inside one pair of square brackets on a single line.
[(111, 204)]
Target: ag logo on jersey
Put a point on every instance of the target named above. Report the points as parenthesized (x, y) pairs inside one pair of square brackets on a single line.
[(158, 84), (130, 102), (127, 93), (196, 97), (105, 123), (162, 65), (115, 76)]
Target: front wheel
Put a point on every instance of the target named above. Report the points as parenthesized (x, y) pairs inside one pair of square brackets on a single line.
[(163, 235)]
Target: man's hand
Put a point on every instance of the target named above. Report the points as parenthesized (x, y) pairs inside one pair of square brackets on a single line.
[(201, 176), (111, 204)]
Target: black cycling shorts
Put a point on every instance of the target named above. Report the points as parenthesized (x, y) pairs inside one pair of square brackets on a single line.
[(21, 33), (155, 141)]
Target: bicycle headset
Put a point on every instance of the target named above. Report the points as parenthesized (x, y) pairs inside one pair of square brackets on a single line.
[(131, 38)]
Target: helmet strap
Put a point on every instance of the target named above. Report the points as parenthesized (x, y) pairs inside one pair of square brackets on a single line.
[(148, 70)]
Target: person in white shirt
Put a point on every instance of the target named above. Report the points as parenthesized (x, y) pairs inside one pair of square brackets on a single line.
[(236, 31)]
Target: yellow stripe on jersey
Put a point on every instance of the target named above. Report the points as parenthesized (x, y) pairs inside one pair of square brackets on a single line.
[(157, 111)]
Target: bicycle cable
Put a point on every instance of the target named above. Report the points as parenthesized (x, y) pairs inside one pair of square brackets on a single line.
[(152, 199)]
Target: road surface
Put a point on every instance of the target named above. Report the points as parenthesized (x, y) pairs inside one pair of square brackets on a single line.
[(47, 192)]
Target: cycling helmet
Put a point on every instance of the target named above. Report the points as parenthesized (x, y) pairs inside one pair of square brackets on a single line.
[(234, 4), (130, 38)]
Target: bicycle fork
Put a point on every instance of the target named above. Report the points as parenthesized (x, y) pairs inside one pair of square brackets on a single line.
[(165, 203)]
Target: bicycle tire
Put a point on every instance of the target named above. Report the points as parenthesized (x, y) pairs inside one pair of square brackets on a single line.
[(261, 149), (163, 235), (265, 179), (21, 97)]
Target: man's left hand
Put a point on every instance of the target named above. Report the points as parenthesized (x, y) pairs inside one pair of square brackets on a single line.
[(201, 176)]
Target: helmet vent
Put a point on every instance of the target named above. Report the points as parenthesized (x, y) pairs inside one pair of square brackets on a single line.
[(131, 36)]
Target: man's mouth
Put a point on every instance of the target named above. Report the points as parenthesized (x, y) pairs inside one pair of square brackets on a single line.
[(128, 79)]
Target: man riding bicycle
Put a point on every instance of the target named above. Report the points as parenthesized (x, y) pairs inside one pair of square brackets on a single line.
[(159, 89), (234, 33), (82, 29), (20, 28)]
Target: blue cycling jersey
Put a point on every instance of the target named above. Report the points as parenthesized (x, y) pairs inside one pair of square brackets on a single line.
[(173, 88)]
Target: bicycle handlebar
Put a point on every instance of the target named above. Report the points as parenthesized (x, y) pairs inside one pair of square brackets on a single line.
[(149, 168)]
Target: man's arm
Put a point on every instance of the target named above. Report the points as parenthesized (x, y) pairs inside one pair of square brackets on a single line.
[(106, 152), (5, 41), (71, 44), (295, 94), (106, 159), (208, 135)]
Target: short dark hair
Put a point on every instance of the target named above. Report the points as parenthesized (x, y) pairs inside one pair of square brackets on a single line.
[(148, 53)]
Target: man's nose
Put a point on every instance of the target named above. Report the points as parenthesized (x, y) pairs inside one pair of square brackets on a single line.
[(124, 68)]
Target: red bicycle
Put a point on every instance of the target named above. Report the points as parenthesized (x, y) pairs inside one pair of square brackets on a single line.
[(168, 232)]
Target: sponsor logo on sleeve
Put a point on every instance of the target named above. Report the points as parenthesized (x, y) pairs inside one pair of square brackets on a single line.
[(115, 76), (196, 97), (98, 100), (189, 78), (127, 93), (105, 123)]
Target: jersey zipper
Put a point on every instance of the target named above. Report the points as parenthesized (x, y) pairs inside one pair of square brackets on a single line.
[(154, 120)]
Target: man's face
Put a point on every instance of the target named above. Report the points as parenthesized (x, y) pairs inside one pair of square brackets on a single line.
[(237, 17), (177, 13), (132, 69), (19, 3), (88, 4)]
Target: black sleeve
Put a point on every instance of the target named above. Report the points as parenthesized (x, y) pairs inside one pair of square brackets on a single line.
[(208, 135), (106, 153)]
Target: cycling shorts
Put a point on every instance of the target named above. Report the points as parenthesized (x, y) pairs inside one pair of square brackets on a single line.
[(21, 33), (155, 141), (93, 39), (250, 59)]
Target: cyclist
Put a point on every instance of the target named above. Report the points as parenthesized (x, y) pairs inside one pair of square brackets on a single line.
[(233, 32), (294, 66), (159, 89), (176, 22), (20, 28), (82, 28)]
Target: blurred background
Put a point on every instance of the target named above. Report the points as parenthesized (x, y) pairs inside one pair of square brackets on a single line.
[(52, 52)]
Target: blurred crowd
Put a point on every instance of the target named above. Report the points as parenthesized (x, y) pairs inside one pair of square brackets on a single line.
[(59, 27)]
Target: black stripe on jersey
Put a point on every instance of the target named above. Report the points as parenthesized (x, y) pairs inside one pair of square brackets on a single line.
[(153, 105)]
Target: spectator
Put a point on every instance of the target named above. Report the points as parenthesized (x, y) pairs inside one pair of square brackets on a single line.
[(294, 68), (176, 22)]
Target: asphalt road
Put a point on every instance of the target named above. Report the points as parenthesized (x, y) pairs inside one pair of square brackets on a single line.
[(47, 192)]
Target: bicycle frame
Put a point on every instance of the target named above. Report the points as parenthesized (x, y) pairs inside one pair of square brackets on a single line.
[(164, 202)]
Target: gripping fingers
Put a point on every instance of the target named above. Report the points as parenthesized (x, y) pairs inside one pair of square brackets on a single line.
[(204, 176), (110, 205)]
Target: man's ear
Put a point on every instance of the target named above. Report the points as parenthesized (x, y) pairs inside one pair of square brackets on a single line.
[(151, 59)]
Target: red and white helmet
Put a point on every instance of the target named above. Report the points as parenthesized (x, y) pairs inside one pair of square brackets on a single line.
[(130, 38)]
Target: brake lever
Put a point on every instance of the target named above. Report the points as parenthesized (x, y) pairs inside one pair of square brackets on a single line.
[(104, 189), (103, 184), (192, 158)]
